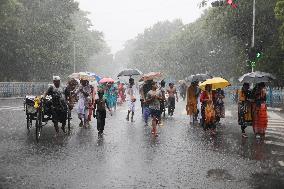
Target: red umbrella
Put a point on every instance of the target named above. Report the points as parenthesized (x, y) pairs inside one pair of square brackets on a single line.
[(106, 80)]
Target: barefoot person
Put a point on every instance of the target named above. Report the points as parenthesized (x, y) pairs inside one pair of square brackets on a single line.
[(153, 100), (59, 104), (244, 108), (99, 112), (173, 96), (84, 92), (260, 119), (191, 106), (131, 99), (207, 110)]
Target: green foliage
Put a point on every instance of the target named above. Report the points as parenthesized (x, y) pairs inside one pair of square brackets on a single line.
[(215, 43), (37, 39)]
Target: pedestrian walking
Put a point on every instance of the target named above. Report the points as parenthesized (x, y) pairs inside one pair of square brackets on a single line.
[(153, 100), (183, 90), (244, 108), (147, 86), (163, 101), (110, 95), (207, 110), (218, 99), (259, 110), (84, 92), (131, 99), (173, 96), (59, 105), (99, 112), (191, 105)]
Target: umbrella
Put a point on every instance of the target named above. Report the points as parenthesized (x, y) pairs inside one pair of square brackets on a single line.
[(151, 76), (92, 74), (198, 77), (130, 72), (216, 82), (256, 77), (106, 80), (81, 75)]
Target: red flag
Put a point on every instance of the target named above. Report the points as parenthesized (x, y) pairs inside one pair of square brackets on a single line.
[(230, 2)]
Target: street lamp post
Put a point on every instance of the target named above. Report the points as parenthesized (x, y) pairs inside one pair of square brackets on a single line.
[(253, 27), (74, 57)]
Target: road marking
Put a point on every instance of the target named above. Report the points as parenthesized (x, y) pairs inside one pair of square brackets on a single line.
[(12, 108), (275, 129), (274, 143), (281, 163), (228, 113), (273, 115), (274, 136), (275, 133)]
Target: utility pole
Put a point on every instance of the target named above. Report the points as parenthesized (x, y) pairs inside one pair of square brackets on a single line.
[(253, 26), (74, 56)]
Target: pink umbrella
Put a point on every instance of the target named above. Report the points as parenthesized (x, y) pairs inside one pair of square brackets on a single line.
[(106, 80), (151, 76)]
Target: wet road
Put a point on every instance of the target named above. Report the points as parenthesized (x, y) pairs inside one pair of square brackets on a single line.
[(127, 156)]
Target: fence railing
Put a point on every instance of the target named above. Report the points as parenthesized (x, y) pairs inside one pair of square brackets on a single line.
[(274, 96), (20, 89)]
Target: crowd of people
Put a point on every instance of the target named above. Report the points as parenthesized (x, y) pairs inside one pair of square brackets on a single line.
[(204, 107)]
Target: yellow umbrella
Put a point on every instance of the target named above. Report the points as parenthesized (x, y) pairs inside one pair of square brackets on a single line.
[(216, 82)]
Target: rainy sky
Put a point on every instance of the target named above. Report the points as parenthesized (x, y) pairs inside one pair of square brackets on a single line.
[(121, 20)]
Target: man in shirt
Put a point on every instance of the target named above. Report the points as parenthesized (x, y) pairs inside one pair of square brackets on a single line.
[(173, 96), (59, 105), (153, 100)]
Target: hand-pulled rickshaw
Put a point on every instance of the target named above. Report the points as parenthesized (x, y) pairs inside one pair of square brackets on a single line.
[(41, 110)]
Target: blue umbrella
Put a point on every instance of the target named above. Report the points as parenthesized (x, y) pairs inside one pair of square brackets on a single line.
[(98, 78)]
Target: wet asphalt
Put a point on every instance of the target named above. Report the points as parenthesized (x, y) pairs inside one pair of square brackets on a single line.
[(128, 156)]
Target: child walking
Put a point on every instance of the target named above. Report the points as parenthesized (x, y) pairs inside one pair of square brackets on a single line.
[(131, 99), (100, 112)]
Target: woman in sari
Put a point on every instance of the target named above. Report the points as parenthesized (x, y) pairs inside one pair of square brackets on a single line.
[(259, 110), (191, 106), (110, 95), (219, 105), (244, 108), (207, 110)]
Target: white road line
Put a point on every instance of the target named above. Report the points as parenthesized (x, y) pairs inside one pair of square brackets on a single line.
[(228, 113), (276, 123), (273, 115), (274, 136), (281, 129), (274, 143), (281, 163), (11, 108), (275, 132), (275, 126)]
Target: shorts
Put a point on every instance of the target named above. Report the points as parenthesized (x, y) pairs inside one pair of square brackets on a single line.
[(155, 113), (131, 106)]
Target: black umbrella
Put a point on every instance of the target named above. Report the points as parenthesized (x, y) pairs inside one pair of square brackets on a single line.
[(129, 72), (256, 77), (198, 77)]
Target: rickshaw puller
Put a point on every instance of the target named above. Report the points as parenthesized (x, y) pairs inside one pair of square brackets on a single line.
[(59, 105)]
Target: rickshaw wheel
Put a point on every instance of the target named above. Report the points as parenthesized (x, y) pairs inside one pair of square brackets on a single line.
[(38, 125), (29, 122)]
